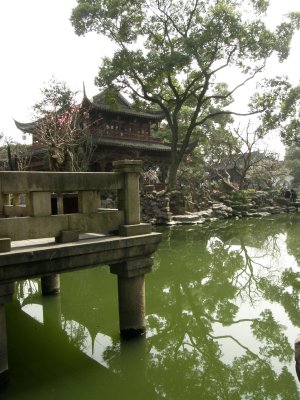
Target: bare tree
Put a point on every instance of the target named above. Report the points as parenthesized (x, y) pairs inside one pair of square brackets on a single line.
[(251, 156), (14, 156)]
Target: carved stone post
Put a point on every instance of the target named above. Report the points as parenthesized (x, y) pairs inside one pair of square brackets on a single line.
[(129, 201), (6, 292)]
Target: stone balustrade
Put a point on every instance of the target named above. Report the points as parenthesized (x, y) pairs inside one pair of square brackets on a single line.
[(92, 236), (36, 189)]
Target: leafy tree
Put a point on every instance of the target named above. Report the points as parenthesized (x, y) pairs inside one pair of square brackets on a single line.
[(171, 54), (62, 127), (292, 162), (285, 113), (191, 174)]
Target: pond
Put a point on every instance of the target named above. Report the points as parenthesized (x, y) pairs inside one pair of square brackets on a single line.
[(222, 316)]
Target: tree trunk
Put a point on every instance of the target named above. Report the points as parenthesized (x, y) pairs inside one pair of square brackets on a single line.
[(242, 181), (10, 159), (172, 175)]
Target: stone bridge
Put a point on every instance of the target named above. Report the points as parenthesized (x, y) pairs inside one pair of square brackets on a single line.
[(36, 243)]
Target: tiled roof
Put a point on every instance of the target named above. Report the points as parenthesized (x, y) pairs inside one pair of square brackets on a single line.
[(122, 106), (27, 127), (130, 143), (140, 144)]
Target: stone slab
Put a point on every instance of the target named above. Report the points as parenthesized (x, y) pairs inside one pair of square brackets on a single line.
[(133, 230), (36, 260), (67, 236)]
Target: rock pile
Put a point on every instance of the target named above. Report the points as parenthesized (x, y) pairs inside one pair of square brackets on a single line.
[(155, 208), (222, 211)]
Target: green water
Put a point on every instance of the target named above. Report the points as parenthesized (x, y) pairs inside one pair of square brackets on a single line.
[(222, 316)]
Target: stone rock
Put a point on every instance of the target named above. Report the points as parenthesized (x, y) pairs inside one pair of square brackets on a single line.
[(201, 221), (261, 214), (205, 213), (240, 207), (155, 208), (186, 219)]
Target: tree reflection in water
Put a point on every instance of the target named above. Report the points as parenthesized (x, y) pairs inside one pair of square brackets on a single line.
[(223, 312), (216, 272)]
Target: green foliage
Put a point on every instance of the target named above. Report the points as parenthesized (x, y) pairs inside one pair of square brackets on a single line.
[(281, 104), (276, 344), (55, 96), (170, 54), (240, 196), (292, 162), (191, 174)]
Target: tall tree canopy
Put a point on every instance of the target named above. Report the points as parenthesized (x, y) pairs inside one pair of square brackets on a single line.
[(171, 54)]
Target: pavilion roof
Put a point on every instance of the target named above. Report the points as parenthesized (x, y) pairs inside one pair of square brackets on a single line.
[(132, 143), (122, 106), (100, 102), (140, 144), (129, 143), (27, 127)]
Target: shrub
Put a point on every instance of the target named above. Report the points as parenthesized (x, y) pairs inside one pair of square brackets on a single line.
[(239, 196)]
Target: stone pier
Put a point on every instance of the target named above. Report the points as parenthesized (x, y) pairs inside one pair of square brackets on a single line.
[(131, 295)]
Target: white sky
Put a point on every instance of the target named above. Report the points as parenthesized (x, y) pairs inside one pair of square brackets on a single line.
[(38, 42)]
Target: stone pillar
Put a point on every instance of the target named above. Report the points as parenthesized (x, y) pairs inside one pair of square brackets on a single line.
[(6, 291), (129, 200), (131, 295), (50, 284)]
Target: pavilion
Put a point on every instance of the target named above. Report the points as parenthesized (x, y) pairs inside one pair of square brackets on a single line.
[(118, 132)]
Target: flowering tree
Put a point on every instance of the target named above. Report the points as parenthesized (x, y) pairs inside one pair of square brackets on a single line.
[(62, 127)]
